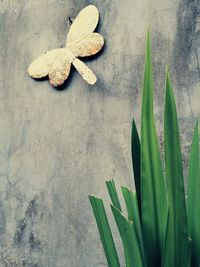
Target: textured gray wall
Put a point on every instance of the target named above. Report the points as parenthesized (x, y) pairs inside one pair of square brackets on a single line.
[(56, 147)]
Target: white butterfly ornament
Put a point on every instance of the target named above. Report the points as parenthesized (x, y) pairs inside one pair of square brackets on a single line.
[(81, 41)]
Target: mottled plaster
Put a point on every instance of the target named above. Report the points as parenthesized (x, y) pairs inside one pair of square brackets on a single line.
[(56, 147)]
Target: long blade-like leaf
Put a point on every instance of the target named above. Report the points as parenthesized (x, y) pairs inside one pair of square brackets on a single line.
[(129, 239), (133, 213), (154, 204), (135, 150), (193, 200), (177, 242), (105, 232), (115, 201), (113, 194)]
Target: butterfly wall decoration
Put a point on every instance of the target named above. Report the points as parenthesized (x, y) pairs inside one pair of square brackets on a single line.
[(81, 41)]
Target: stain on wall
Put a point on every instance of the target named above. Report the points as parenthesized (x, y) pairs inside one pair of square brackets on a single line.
[(187, 41), (56, 147)]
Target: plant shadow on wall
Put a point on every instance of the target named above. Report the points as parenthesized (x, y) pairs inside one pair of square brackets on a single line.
[(162, 224)]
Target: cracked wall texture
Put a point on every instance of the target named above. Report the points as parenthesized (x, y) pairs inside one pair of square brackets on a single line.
[(56, 147)]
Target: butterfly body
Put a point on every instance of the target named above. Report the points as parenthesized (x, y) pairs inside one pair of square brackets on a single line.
[(81, 42)]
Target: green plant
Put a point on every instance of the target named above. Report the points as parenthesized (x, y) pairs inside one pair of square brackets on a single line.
[(159, 230)]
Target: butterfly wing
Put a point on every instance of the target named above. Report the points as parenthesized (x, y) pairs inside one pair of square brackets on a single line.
[(84, 24), (55, 63), (41, 65), (59, 73), (39, 68), (84, 71), (82, 42), (88, 46)]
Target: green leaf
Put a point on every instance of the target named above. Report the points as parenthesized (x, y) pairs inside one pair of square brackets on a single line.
[(113, 194), (115, 201), (130, 198), (135, 150), (193, 199), (129, 239), (105, 232), (154, 204), (177, 242)]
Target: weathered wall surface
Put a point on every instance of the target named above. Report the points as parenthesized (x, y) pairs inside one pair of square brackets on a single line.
[(56, 147)]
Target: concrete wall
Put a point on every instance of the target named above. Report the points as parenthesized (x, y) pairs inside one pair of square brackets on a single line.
[(56, 147)]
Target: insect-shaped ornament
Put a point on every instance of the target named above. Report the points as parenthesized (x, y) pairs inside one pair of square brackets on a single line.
[(81, 41)]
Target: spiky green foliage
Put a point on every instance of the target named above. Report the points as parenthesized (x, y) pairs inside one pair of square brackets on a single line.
[(154, 203), (176, 233), (193, 199), (157, 229)]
